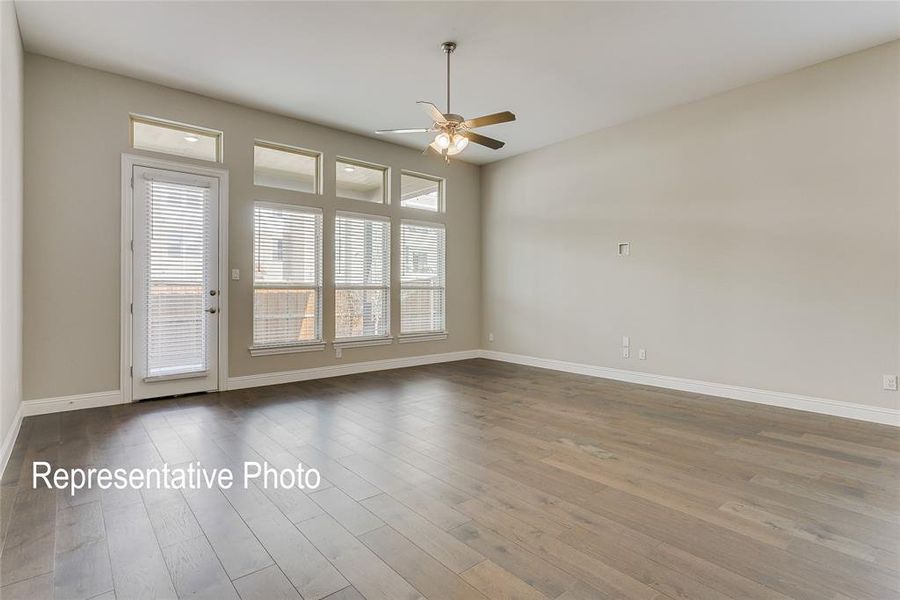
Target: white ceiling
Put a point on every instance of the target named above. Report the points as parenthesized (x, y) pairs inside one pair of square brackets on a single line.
[(564, 68)]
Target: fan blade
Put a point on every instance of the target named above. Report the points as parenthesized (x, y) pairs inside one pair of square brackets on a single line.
[(494, 119), (483, 140), (436, 115), (418, 130)]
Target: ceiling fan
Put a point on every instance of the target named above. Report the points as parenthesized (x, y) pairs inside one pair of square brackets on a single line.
[(455, 132)]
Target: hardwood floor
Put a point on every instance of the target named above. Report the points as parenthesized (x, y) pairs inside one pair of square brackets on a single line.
[(466, 480)]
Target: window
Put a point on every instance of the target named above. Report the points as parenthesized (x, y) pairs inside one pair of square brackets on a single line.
[(287, 278), (158, 135), (362, 276), (285, 167), (422, 275), (360, 181), (421, 191)]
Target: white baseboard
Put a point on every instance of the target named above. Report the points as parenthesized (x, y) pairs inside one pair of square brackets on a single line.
[(836, 408), (46, 406), (248, 381), (9, 440)]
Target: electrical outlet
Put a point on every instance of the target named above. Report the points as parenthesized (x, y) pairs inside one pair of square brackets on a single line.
[(642, 354), (491, 337), (626, 352), (890, 383), (338, 352), (235, 274)]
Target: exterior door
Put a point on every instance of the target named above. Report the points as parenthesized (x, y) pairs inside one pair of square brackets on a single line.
[(175, 318)]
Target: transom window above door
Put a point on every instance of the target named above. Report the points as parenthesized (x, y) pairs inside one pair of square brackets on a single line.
[(169, 137)]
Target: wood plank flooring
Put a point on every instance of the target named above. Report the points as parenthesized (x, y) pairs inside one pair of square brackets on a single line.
[(467, 480)]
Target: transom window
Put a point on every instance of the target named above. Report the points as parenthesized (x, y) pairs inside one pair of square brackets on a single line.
[(421, 191), (360, 181), (159, 135), (286, 167)]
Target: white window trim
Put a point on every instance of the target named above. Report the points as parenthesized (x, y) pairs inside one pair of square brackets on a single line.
[(442, 193), (129, 162), (311, 345)]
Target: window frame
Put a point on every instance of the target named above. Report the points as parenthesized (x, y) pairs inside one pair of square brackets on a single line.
[(364, 340), (442, 192), (177, 126), (308, 152), (305, 346), (385, 183), (423, 336)]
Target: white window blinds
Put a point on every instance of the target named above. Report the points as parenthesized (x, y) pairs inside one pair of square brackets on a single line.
[(362, 276), (422, 277), (177, 278), (287, 275)]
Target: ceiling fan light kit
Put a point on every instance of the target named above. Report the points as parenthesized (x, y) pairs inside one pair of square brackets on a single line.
[(454, 132)]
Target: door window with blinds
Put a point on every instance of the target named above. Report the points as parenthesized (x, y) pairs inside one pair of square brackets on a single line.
[(287, 276), (177, 278), (175, 273), (362, 275), (422, 278)]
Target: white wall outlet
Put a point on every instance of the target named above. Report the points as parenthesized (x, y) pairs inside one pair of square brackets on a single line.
[(338, 352), (890, 383), (642, 354), (626, 341), (235, 274), (626, 352), (624, 248), (491, 337)]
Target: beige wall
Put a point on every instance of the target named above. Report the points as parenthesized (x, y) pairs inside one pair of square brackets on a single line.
[(76, 126), (764, 232), (10, 217)]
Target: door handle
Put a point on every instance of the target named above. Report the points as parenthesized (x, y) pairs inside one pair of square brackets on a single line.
[(212, 311)]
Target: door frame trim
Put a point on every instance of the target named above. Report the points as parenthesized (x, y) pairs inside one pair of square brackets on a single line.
[(129, 161)]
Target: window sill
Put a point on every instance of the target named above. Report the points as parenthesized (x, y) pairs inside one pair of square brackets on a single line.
[(410, 338), (362, 342), (270, 350)]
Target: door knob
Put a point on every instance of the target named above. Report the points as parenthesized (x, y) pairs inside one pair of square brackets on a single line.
[(211, 311), (213, 292)]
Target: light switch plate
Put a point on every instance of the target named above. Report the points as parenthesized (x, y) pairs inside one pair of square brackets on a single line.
[(235, 274)]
